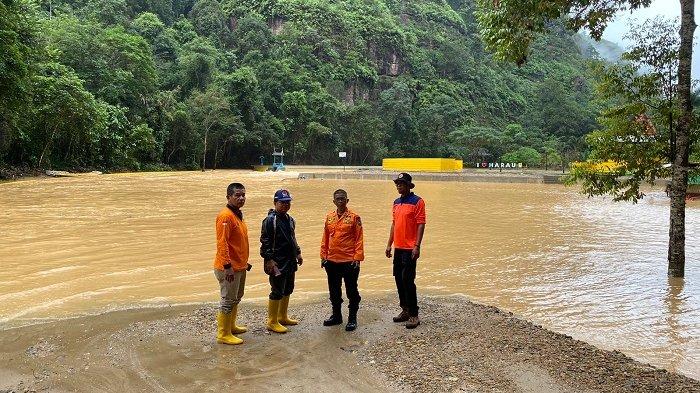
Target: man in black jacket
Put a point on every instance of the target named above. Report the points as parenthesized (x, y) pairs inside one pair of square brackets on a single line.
[(281, 253)]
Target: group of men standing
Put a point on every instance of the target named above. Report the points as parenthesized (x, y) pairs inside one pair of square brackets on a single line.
[(342, 251)]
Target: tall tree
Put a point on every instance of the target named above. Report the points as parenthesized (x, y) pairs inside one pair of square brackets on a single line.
[(509, 27), (212, 114), (17, 34), (208, 18), (197, 64), (109, 12), (116, 66), (638, 128), (65, 114)]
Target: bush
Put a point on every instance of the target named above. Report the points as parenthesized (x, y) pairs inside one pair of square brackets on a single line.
[(527, 155)]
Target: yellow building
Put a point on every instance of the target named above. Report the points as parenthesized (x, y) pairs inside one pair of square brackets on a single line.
[(599, 167), (422, 164)]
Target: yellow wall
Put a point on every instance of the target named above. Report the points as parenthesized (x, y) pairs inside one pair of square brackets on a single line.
[(422, 164)]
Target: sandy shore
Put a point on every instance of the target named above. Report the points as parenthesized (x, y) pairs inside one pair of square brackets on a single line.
[(460, 346)]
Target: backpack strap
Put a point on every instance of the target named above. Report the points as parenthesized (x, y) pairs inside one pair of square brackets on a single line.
[(274, 232)]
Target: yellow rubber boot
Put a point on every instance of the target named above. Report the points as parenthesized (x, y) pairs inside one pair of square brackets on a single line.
[(224, 335), (235, 329), (272, 321), (282, 317)]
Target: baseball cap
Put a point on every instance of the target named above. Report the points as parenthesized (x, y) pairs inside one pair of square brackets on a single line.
[(282, 196)]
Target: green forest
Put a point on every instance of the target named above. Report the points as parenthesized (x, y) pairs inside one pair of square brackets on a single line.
[(177, 84)]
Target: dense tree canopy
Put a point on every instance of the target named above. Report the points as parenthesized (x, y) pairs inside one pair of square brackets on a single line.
[(178, 83)]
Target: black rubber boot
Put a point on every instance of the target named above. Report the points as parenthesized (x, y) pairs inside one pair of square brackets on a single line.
[(352, 321), (335, 319)]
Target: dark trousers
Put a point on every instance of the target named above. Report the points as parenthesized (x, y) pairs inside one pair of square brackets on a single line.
[(405, 277), (337, 272), (282, 285)]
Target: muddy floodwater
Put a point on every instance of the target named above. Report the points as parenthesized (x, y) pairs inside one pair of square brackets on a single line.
[(589, 268)]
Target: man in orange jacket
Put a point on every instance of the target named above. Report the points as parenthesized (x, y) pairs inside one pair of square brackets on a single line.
[(342, 250), (231, 263), (406, 235)]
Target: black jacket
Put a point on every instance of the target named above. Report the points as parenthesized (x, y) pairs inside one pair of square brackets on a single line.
[(278, 241)]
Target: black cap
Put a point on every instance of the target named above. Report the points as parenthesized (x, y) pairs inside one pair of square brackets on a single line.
[(406, 178)]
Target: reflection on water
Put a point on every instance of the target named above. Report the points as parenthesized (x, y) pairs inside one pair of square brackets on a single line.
[(590, 268), (675, 302)]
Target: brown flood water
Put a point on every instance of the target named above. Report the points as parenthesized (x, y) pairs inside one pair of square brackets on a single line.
[(590, 268)]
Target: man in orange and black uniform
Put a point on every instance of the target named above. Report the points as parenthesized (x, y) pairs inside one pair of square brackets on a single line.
[(342, 250), (231, 263), (406, 235)]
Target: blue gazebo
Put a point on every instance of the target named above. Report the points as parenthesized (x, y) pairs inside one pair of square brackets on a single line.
[(277, 160)]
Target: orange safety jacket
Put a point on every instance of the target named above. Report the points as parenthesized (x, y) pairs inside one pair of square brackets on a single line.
[(231, 241), (408, 213), (342, 238)]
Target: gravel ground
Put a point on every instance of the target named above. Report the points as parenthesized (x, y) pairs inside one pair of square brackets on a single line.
[(463, 346), (460, 346)]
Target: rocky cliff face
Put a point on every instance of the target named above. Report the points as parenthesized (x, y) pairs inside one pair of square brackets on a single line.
[(354, 91), (276, 25)]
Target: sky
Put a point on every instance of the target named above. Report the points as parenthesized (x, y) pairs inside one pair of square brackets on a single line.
[(668, 8)]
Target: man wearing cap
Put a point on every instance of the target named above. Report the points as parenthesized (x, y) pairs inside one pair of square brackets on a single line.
[(231, 263), (406, 235), (342, 250), (281, 253)]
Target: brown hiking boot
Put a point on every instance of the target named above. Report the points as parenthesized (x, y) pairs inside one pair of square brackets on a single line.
[(403, 317), (412, 323)]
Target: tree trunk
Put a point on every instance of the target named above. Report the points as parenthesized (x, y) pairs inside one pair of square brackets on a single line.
[(204, 153), (679, 176), (170, 155), (216, 154), (672, 135), (46, 147)]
